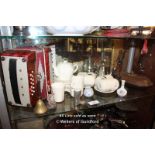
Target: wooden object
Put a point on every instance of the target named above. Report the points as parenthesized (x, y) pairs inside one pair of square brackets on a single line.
[(136, 80)]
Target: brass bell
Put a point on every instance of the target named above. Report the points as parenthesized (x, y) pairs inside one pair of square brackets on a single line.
[(40, 107)]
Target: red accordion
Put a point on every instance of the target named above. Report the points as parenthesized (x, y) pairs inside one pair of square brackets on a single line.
[(21, 67)]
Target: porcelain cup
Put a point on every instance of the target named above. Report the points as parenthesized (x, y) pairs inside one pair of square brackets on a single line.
[(76, 84), (59, 91)]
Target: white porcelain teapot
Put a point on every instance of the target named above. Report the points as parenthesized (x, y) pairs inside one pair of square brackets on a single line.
[(65, 70)]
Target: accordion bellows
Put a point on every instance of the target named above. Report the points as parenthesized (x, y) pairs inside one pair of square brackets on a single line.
[(21, 66)]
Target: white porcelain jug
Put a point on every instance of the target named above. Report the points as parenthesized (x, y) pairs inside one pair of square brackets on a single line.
[(65, 70)]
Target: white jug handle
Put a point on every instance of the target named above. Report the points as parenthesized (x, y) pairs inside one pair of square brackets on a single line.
[(75, 68)]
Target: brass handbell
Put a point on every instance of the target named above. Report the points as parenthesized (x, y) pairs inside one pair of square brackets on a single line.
[(40, 107)]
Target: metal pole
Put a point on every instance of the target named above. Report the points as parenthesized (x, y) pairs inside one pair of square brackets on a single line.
[(131, 57)]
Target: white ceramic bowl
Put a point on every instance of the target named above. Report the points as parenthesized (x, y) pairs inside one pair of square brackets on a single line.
[(70, 30)]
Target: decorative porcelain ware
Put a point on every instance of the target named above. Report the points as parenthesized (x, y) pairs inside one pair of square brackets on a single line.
[(65, 70), (70, 30), (88, 91), (76, 84), (88, 78), (122, 91), (106, 84), (58, 91)]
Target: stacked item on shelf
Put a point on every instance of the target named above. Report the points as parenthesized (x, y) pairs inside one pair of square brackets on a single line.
[(116, 33)]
